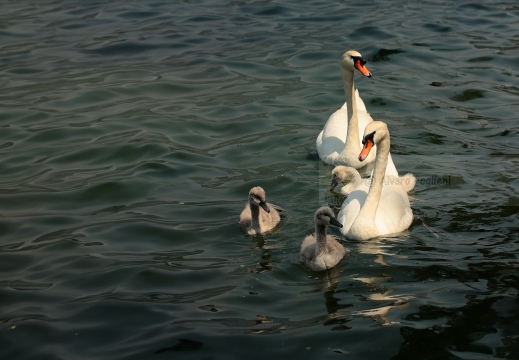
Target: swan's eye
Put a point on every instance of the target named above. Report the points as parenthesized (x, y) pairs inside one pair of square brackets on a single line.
[(368, 137), (360, 59)]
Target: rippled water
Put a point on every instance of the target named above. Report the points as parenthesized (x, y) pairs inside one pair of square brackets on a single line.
[(131, 133)]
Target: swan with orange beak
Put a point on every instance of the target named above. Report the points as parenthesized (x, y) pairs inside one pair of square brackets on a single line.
[(382, 207), (339, 143)]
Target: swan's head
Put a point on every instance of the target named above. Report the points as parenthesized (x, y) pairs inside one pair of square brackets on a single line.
[(341, 174), (352, 59), (324, 216), (374, 133), (257, 197)]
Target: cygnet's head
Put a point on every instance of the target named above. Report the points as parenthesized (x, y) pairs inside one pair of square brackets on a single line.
[(374, 133), (324, 216), (352, 59), (257, 197), (340, 175)]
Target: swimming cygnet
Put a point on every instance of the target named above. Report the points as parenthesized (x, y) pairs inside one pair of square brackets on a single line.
[(322, 251), (348, 177), (254, 220)]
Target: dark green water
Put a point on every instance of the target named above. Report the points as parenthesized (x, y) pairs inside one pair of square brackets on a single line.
[(131, 133)]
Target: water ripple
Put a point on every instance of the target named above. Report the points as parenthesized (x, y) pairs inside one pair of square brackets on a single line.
[(158, 297), (132, 133)]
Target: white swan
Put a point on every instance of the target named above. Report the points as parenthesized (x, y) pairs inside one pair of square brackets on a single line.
[(255, 221), (349, 179), (382, 209), (321, 251), (339, 143)]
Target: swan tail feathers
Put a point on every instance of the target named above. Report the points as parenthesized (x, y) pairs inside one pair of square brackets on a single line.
[(408, 182)]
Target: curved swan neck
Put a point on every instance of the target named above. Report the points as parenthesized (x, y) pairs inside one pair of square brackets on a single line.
[(369, 209), (352, 137), (349, 90), (320, 238)]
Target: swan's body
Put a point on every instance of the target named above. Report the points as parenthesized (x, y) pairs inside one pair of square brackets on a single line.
[(254, 220), (333, 144), (321, 251), (382, 208), (339, 143)]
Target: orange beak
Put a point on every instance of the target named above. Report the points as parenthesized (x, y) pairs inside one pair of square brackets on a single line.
[(362, 68), (366, 149)]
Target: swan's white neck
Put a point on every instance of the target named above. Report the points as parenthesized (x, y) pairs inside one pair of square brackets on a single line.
[(365, 221), (320, 238), (352, 147)]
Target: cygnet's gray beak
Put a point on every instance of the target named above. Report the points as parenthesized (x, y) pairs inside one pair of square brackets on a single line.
[(334, 183), (264, 205), (334, 221)]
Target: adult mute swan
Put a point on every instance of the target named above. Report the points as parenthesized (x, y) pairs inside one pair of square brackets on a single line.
[(321, 251), (255, 221), (382, 209), (339, 143)]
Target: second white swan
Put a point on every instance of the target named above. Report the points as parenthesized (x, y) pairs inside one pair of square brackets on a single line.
[(383, 208)]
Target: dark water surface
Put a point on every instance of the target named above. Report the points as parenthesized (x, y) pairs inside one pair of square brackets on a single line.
[(131, 133)]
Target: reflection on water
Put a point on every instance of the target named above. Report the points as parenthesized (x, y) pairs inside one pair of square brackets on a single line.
[(384, 302), (337, 318), (380, 299)]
